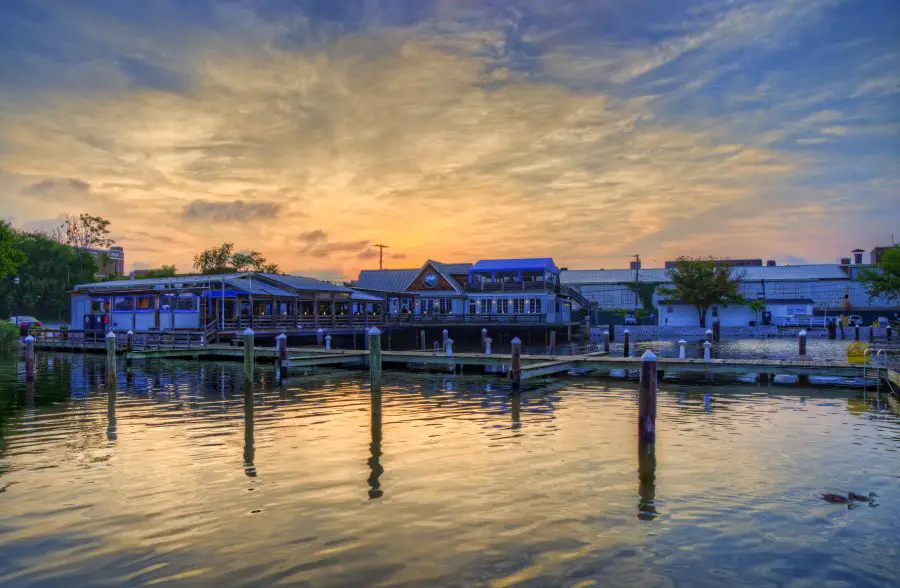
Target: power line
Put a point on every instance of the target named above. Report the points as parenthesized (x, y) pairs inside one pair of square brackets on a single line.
[(381, 249)]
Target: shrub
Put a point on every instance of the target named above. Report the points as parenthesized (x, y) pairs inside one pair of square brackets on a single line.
[(9, 336)]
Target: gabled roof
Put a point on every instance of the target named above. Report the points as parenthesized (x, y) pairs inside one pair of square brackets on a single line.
[(446, 270), (512, 265), (456, 269), (304, 283), (390, 280), (160, 283), (258, 288), (615, 276)]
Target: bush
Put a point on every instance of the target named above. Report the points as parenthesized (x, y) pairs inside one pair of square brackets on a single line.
[(9, 336)]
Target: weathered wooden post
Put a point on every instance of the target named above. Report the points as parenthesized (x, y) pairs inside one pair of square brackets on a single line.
[(647, 398), (281, 345), (424, 341), (111, 359), (717, 332), (515, 373), (586, 332), (801, 343), (375, 467), (129, 341), (647, 480), (445, 334), (888, 332), (707, 352), (612, 333), (448, 347), (709, 335), (484, 334), (552, 341), (856, 332), (606, 341), (871, 334), (249, 354), (487, 346), (626, 343), (29, 358), (327, 342), (681, 351), (375, 356), (320, 337)]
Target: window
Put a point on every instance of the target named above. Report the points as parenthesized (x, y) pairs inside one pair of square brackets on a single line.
[(143, 303), (404, 305), (183, 302), (487, 305), (99, 305), (502, 306), (473, 306), (446, 305), (518, 305), (123, 304), (534, 305)]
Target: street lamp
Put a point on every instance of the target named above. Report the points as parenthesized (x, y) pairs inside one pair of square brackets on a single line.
[(16, 282)]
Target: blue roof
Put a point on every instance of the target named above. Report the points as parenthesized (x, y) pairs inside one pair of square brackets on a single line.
[(515, 265)]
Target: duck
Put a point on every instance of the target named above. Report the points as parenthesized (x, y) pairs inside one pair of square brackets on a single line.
[(862, 497), (835, 498)]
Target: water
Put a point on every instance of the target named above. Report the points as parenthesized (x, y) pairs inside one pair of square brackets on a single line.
[(180, 481)]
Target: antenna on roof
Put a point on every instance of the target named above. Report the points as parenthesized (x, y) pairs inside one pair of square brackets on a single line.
[(381, 249)]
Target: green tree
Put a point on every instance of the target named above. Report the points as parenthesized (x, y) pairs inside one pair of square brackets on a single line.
[(166, 271), (49, 273), (704, 283), (215, 260), (756, 307), (87, 231), (11, 258), (884, 279)]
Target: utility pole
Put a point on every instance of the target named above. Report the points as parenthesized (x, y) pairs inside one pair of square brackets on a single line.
[(381, 249), (637, 267)]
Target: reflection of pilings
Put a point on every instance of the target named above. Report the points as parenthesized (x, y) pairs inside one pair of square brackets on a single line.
[(375, 469), (28, 421), (249, 451), (516, 401), (29, 358), (647, 480), (111, 428), (111, 360)]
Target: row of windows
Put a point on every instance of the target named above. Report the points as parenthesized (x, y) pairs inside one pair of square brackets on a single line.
[(167, 302), (505, 306)]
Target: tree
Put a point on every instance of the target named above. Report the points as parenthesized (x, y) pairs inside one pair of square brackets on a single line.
[(704, 283), (47, 276), (166, 271), (11, 258), (221, 259), (756, 307), (884, 279), (215, 260), (87, 231)]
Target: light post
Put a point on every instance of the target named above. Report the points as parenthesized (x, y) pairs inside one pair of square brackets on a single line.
[(16, 282)]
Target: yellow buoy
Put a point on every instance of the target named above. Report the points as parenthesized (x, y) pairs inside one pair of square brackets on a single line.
[(856, 352)]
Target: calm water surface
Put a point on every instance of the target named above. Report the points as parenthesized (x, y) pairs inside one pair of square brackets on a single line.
[(187, 478)]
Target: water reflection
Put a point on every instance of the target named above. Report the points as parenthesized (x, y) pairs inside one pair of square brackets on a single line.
[(516, 401), (374, 462), (249, 451), (111, 430), (647, 480)]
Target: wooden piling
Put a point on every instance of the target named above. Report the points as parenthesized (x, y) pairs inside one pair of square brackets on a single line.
[(515, 373), (612, 333), (647, 480), (681, 351), (606, 341), (29, 358), (320, 337), (709, 335), (626, 343), (888, 332), (424, 341), (327, 342), (707, 352), (552, 341), (647, 398), (487, 346), (586, 332), (856, 332), (717, 332), (111, 359), (249, 354), (801, 343), (445, 334), (281, 345), (375, 355), (129, 346), (448, 347), (871, 334)]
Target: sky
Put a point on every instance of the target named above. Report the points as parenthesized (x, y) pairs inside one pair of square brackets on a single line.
[(587, 131)]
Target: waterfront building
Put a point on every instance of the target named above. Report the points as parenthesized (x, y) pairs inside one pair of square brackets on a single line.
[(221, 304), (110, 262), (526, 291)]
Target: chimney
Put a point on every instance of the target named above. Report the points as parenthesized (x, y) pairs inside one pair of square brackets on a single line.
[(770, 263), (845, 261), (857, 256)]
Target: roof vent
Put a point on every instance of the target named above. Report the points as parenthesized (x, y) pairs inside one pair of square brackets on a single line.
[(857, 256), (845, 261)]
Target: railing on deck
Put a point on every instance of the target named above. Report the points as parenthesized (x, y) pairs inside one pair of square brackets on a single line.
[(801, 321), (80, 340), (466, 318), (510, 286)]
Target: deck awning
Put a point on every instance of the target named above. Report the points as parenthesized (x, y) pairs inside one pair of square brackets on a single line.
[(258, 288), (535, 264), (363, 297)]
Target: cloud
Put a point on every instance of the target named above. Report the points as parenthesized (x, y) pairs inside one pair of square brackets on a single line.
[(326, 249), (235, 211), (812, 140), (311, 238), (836, 131), (367, 255), (59, 189)]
